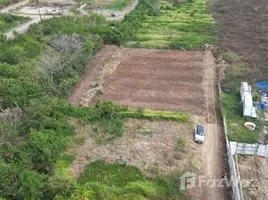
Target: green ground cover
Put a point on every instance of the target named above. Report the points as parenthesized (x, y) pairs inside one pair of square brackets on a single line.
[(4, 3), (117, 4), (186, 26), (232, 109), (115, 181), (9, 21)]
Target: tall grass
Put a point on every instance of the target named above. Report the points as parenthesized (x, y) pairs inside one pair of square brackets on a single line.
[(232, 109), (187, 26), (9, 21), (114, 181), (117, 4)]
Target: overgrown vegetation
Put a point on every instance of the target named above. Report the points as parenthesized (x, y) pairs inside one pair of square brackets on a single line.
[(170, 25), (9, 21), (4, 3), (180, 144), (156, 115), (232, 109), (116, 181), (36, 71), (117, 4)]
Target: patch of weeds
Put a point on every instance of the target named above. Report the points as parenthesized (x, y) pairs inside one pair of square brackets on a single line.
[(223, 9), (87, 157), (188, 25), (117, 5), (140, 126), (67, 158), (146, 133), (94, 85), (154, 168), (180, 144), (257, 97), (79, 140), (99, 93), (94, 131), (101, 140), (111, 174), (195, 163), (114, 127), (140, 109), (231, 57), (232, 109)]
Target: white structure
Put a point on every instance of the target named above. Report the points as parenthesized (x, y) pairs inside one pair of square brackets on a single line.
[(244, 89), (246, 97)]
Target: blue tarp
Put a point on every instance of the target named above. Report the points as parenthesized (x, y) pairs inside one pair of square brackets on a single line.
[(262, 84)]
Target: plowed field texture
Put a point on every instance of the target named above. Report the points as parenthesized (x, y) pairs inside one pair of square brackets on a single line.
[(159, 79)]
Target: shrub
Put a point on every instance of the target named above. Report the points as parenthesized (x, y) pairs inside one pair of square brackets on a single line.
[(231, 57), (140, 109), (180, 144), (257, 97), (223, 9), (111, 174), (157, 115)]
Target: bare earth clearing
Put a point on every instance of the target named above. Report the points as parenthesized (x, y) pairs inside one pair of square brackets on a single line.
[(148, 145), (254, 168), (157, 79)]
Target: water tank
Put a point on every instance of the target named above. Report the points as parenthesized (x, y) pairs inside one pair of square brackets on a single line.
[(262, 105)]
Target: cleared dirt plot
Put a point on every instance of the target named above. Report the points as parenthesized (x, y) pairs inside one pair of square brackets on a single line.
[(253, 170), (147, 145), (159, 79), (153, 79)]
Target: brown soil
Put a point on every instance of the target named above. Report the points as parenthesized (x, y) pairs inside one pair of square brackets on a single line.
[(155, 79), (158, 79), (244, 31), (92, 73), (146, 145), (254, 170)]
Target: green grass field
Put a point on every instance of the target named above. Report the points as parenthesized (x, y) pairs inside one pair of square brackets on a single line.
[(117, 5), (115, 181), (188, 26), (232, 109)]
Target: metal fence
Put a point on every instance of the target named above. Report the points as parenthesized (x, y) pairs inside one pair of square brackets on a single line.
[(234, 148), (232, 165), (231, 161), (249, 149)]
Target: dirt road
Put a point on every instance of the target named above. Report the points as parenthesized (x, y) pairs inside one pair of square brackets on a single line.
[(119, 15), (22, 28), (214, 154)]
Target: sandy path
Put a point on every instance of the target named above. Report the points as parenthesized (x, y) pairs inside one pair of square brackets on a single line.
[(214, 155)]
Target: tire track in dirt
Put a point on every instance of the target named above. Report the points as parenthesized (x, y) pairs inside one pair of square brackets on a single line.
[(214, 155)]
